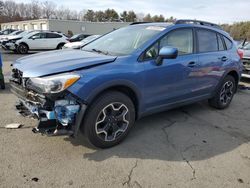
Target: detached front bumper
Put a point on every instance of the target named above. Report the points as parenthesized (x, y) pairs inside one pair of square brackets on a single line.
[(57, 115)]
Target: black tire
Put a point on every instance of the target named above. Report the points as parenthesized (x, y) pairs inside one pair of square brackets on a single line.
[(22, 49), (2, 84), (116, 130), (228, 87), (60, 46)]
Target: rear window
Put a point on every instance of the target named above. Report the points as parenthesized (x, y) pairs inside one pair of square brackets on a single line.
[(207, 41), (228, 43)]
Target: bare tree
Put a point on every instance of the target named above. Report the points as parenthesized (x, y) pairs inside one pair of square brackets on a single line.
[(35, 9), (10, 9), (48, 9), (1, 8)]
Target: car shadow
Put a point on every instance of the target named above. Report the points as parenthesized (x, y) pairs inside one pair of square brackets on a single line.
[(194, 132)]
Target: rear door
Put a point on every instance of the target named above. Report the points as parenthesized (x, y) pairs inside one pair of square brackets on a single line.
[(53, 39), (212, 54)]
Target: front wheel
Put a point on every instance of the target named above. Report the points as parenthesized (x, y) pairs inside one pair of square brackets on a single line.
[(109, 119), (224, 94), (23, 49)]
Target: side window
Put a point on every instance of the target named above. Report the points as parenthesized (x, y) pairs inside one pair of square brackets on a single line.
[(220, 43), (53, 35), (207, 41), (182, 39), (42, 35), (37, 36), (152, 53), (228, 43)]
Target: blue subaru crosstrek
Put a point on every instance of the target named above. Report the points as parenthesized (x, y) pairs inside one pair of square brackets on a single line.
[(124, 75)]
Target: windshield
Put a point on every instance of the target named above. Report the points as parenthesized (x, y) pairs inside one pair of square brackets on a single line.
[(75, 36), (90, 38), (16, 33), (123, 41)]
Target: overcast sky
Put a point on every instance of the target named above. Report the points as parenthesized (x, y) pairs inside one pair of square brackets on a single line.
[(218, 11)]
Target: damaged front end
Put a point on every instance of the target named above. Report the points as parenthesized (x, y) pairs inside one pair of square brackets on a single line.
[(59, 112)]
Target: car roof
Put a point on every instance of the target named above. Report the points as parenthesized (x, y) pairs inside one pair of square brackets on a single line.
[(182, 23)]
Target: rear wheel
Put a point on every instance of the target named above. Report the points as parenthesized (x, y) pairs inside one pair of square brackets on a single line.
[(23, 49), (224, 94), (60, 46), (109, 119)]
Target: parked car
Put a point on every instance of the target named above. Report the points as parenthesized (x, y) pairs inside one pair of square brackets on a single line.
[(78, 37), (7, 31), (127, 74), (246, 60), (9, 43), (78, 45), (2, 84), (40, 40), (4, 37)]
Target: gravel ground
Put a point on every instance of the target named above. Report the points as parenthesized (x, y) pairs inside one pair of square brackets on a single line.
[(192, 146)]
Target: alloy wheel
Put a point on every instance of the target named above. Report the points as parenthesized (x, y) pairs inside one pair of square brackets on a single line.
[(112, 121), (22, 49), (227, 92)]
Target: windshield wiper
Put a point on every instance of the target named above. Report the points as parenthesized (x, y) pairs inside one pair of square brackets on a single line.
[(99, 51)]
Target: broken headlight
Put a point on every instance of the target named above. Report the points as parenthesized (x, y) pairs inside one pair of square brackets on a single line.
[(52, 84)]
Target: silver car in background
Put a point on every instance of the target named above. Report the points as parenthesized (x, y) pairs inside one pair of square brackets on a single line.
[(80, 44), (246, 60)]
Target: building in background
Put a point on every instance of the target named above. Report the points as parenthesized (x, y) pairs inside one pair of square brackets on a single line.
[(65, 26)]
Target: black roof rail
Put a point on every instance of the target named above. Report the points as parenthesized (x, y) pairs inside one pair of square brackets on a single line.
[(137, 23), (198, 22)]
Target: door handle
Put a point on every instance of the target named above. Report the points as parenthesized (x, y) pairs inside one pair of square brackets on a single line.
[(224, 58), (192, 64)]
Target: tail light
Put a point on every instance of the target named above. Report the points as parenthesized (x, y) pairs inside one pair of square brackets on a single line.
[(240, 53)]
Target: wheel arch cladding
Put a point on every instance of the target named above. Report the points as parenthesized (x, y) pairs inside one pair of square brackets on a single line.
[(131, 93), (60, 44), (235, 75)]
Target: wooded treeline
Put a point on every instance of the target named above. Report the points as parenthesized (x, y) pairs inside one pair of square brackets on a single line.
[(12, 11), (239, 31)]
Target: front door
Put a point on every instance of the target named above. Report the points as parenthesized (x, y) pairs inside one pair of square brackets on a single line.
[(174, 80), (37, 41)]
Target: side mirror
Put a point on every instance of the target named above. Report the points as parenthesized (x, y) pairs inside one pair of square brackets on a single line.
[(166, 52)]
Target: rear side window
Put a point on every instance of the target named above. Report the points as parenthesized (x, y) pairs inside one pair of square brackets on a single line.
[(228, 43), (220, 43), (53, 35), (207, 41), (182, 39)]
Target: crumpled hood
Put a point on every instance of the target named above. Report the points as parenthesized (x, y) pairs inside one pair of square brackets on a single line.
[(58, 61), (13, 37)]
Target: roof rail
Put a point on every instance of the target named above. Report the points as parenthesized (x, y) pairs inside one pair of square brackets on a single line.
[(136, 23), (198, 22)]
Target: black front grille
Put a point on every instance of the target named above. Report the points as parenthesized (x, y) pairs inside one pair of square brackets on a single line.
[(17, 76)]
